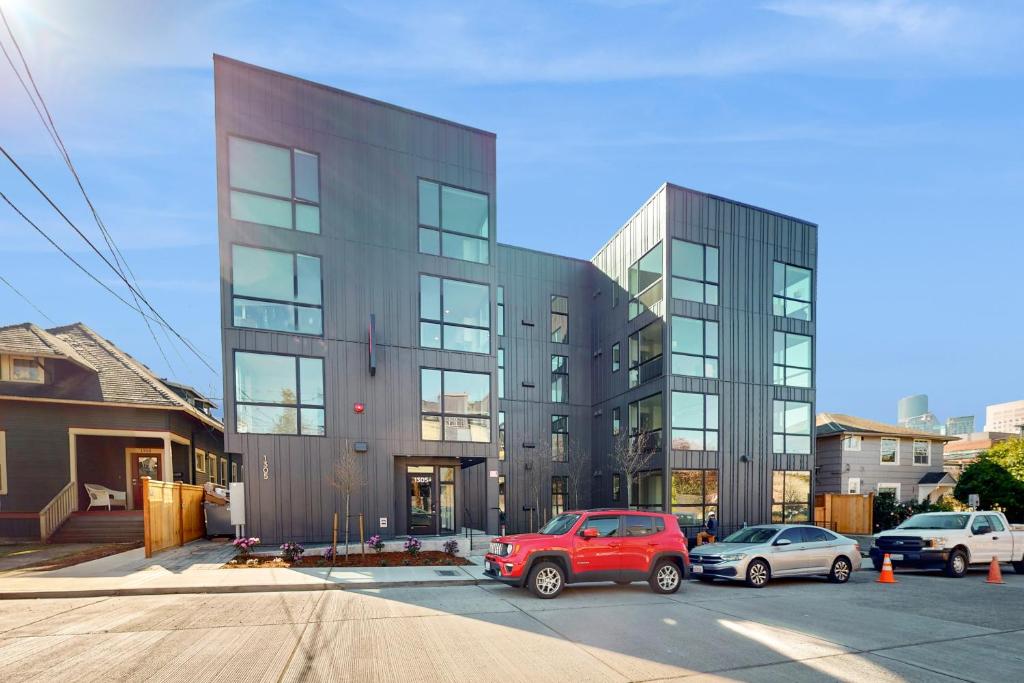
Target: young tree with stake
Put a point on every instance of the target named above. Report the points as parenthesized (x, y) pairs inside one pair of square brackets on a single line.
[(348, 478), (631, 454)]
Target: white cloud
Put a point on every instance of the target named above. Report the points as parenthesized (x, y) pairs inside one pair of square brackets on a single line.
[(932, 20)]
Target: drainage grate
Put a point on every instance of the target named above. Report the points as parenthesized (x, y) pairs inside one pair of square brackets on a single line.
[(446, 572)]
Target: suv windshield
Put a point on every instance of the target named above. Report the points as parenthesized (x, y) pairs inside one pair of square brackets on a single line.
[(936, 522), (559, 525), (752, 534)]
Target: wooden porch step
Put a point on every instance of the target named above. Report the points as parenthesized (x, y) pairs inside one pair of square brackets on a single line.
[(101, 528)]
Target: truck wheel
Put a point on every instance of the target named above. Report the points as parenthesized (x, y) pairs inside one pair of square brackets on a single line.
[(757, 574), (1018, 567), (666, 577), (841, 570), (956, 565), (547, 580)]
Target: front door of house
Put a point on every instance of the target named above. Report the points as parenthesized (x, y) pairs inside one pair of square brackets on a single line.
[(422, 496), (142, 465)]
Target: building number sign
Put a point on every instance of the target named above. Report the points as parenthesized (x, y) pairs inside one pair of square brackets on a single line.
[(266, 468), (422, 480)]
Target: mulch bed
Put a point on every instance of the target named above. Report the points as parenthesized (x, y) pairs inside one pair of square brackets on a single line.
[(424, 558)]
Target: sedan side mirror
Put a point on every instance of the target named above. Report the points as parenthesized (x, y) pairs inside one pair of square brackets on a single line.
[(783, 541), (590, 532)]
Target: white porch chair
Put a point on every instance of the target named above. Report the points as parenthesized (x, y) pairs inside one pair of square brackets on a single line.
[(101, 496)]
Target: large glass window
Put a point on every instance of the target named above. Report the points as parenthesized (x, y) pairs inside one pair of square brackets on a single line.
[(791, 496), (694, 272), (454, 315), (791, 427), (792, 360), (500, 322), (559, 438), (694, 421), (694, 347), (645, 282), (453, 222), (559, 379), (645, 353), (694, 496), (791, 291), (501, 435), (276, 290), (559, 485), (646, 416), (278, 394), (501, 373), (648, 491), (455, 406), (274, 185), (559, 319)]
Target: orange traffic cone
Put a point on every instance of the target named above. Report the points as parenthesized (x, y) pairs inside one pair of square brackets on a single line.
[(886, 576), (995, 574)]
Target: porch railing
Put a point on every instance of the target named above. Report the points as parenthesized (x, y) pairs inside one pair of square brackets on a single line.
[(58, 510)]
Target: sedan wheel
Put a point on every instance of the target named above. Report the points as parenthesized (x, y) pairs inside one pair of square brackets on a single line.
[(757, 574), (840, 571)]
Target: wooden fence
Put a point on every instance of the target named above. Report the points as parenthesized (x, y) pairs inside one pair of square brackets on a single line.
[(846, 513), (172, 514)]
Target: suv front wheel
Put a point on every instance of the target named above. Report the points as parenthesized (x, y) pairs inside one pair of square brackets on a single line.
[(546, 580), (666, 577)]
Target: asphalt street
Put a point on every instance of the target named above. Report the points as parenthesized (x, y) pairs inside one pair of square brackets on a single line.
[(925, 628)]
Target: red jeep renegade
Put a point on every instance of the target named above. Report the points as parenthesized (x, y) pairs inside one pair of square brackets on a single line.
[(593, 545)]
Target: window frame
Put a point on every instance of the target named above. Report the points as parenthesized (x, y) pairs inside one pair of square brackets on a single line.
[(224, 471), (786, 365), (553, 313), (616, 421), (211, 467), (499, 314), (635, 307), (850, 487), (704, 356), (562, 495), (848, 439), (501, 435), (784, 503), (3, 463), (440, 230), (293, 199), (7, 368), (562, 376), (616, 487), (500, 357), (896, 452), (441, 323), (656, 435), (616, 357), (234, 471), (443, 414), (704, 282), (298, 405), (706, 507), (295, 288), (636, 372), (199, 456), (784, 298), (927, 453), (895, 486), (705, 430), (785, 434), (564, 437)]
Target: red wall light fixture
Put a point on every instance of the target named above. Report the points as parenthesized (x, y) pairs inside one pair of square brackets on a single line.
[(358, 408)]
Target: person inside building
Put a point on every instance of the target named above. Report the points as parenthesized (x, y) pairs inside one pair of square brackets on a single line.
[(709, 531)]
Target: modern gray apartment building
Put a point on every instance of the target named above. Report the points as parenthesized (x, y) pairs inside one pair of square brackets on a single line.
[(369, 308)]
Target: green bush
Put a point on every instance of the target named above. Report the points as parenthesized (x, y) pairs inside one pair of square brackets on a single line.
[(995, 486)]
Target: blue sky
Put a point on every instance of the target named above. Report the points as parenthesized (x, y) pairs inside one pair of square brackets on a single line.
[(896, 125)]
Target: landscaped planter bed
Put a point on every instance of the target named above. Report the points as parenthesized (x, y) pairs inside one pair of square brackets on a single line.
[(424, 558)]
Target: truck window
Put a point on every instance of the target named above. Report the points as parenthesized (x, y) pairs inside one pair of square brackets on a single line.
[(996, 523), (979, 523)]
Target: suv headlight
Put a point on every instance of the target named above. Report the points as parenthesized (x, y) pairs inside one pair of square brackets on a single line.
[(937, 542), (733, 557)]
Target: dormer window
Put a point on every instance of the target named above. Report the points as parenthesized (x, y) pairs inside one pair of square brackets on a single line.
[(22, 369)]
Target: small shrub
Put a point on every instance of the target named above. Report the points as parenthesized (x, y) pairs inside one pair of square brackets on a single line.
[(451, 547), (328, 555), (244, 546), (376, 542), (412, 545), (291, 552), (252, 562)]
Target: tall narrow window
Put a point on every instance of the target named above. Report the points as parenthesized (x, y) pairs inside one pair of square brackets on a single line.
[(501, 435), (645, 282), (791, 496), (277, 394), (646, 416), (616, 421), (694, 347), (921, 450), (616, 487), (694, 421), (559, 379), (559, 437), (501, 373), (694, 272), (791, 427), (791, 289), (616, 357), (889, 449), (792, 360), (453, 222), (500, 322), (559, 319), (645, 353), (276, 290), (648, 490), (559, 485), (501, 496), (454, 315), (273, 185), (455, 406)]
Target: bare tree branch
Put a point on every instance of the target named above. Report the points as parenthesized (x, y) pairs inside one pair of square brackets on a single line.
[(348, 478), (578, 471), (631, 454)]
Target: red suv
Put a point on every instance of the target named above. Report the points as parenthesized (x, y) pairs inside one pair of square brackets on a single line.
[(593, 545)]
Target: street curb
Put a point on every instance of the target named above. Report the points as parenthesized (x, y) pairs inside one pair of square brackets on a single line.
[(212, 590)]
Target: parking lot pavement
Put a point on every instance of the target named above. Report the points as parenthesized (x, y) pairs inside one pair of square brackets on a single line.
[(924, 628)]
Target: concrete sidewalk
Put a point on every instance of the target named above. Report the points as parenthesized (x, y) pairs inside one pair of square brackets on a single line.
[(196, 568)]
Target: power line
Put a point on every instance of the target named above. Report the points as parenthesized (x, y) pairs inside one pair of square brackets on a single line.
[(51, 128), (27, 300)]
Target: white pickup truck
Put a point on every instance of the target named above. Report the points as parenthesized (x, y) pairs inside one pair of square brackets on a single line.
[(951, 541)]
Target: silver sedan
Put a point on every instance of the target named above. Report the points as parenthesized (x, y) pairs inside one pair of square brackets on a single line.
[(756, 554)]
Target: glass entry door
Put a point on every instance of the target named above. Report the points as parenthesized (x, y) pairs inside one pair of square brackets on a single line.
[(422, 488)]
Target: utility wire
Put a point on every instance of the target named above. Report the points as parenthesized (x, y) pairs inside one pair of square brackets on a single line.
[(27, 300), (51, 129)]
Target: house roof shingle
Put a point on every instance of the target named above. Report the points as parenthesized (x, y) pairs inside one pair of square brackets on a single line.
[(829, 424), (32, 340)]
